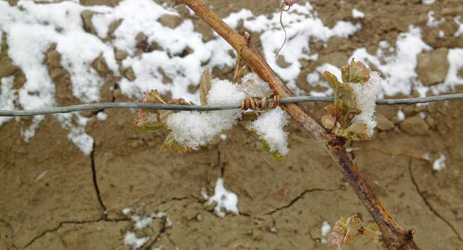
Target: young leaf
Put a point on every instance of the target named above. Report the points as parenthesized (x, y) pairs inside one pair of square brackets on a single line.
[(332, 80), (152, 97), (355, 72), (356, 131), (151, 128), (276, 155), (205, 86), (344, 96), (147, 119), (171, 143), (329, 121)]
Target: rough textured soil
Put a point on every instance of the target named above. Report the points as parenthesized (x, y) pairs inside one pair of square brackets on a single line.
[(78, 203)]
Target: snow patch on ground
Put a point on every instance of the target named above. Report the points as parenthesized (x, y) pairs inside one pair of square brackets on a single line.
[(400, 115), (1, 35), (439, 164), (31, 30), (458, 21), (76, 130), (7, 97), (101, 116), (399, 67), (434, 23), (142, 220), (132, 240), (326, 228), (357, 13), (315, 79), (296, 22), (225, 200)]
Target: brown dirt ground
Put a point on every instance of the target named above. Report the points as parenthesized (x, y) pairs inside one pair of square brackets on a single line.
[(66, 208)]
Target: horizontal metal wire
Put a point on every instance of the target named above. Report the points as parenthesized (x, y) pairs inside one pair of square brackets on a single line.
[(122, 105)]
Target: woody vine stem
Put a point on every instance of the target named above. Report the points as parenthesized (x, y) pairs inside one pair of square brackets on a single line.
[(393, 235)]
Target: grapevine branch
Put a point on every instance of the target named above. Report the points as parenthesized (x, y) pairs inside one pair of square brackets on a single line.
[(177, 107), (393, 235)]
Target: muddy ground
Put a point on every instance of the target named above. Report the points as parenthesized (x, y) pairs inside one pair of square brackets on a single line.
[(78, 203)]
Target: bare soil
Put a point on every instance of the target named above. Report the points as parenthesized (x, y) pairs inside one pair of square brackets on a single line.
[(78, 203)]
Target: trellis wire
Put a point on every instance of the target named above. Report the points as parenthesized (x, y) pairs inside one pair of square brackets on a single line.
[(119, 105)]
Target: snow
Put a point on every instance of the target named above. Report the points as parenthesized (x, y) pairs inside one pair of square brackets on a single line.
[(161, 215), (224, 199), (357, 14), (142, 221), (7, 97), (366, 96), (326, 228), (269, 127), (253, 86), (126, 211), (400, 115), (296, 22), (77, 132), (459, 32), (101, 116), (223, 137), (456, 65), (429, 2), (195, 129), (426, 156), (439, 164), (132, 240), (33, 28), (399, 68), (315, 79), (433, 23)]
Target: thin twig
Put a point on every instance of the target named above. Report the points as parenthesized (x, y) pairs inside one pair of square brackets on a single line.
[(120, 105), (393, 235)]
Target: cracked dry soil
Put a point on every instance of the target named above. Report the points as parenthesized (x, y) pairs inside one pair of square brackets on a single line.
[(78, 203)]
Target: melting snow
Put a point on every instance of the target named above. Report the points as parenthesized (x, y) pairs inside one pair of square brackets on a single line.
[(132, 240), (225, 199), (439, 164), (7, 97), (400, 115), (357, 14), (457, 20), (326, 228)]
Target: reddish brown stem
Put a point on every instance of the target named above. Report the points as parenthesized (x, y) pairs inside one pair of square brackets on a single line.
[(393, 236)]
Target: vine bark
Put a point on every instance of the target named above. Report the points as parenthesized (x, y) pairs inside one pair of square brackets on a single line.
[(393, 235)]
